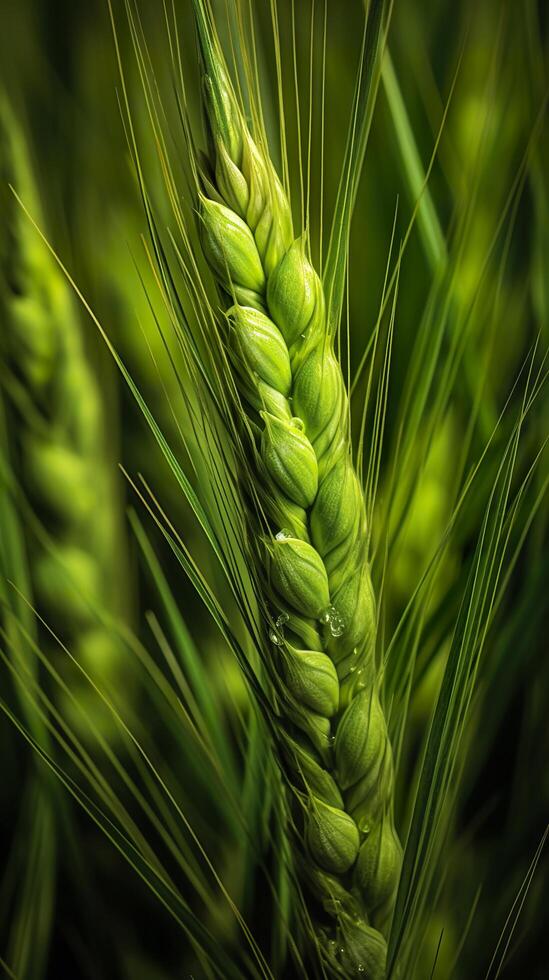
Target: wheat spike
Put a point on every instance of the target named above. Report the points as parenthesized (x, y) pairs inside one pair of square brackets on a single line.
[(58, 427), (316, 576)]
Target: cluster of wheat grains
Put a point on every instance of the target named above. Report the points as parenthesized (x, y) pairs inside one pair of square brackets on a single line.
[(58, 441), (313, 558)]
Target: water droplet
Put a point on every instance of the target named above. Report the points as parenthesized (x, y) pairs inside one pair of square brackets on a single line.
[(275, 637), (361, 968), (341, 950), (298, 423), (282, 620), (364, 825), (337, 625), (283, 534), (330, 617), (331, 739)]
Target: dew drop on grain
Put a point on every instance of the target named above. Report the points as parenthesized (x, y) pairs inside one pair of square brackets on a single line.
[(283, 534)]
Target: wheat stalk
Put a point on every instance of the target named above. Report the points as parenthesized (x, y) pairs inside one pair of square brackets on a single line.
[(59, 427), (316, 573)]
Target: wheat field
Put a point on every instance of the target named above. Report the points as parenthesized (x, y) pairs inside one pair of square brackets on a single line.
[(274, 322)]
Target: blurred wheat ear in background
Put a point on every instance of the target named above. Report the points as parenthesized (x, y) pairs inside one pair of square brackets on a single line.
[(273, 489), (76, 568)]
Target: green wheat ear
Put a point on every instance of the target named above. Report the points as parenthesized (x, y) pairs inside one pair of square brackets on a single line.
[(314, 568), (59, 430)]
